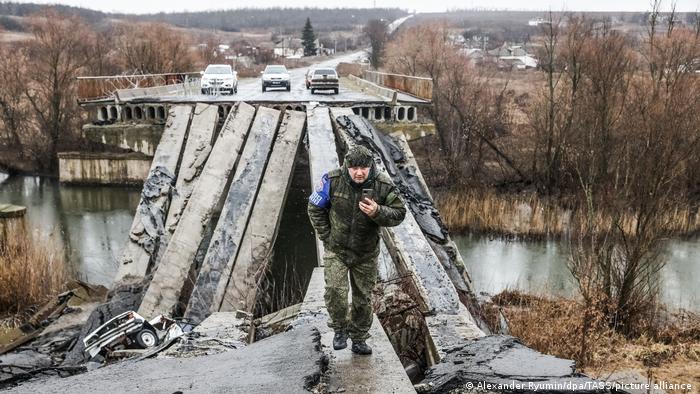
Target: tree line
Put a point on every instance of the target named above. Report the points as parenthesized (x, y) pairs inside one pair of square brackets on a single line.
[(285, 20), (38, 89)]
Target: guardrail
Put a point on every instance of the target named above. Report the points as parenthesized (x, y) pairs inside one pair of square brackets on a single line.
[(390, 94), (102, 87), (417, 86)]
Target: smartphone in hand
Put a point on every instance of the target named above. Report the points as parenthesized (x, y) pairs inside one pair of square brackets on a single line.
[(368, 194)]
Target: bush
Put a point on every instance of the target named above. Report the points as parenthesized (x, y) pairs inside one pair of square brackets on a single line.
[(31, 272)]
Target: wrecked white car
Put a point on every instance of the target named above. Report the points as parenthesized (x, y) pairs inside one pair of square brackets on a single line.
[(127, 330), (131, 330)]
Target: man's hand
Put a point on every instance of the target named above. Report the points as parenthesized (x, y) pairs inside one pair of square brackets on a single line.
[(369, 207)]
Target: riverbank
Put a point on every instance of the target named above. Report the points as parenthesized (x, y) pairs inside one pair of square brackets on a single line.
[(668, 352), (525, 215)]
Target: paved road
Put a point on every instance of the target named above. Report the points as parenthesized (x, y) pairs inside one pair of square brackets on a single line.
[(250, 89)]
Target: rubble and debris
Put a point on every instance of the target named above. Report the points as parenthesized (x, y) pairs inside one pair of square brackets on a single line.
[(220, 332), (404, 324), (275, 322), (290, 362), (131, 330), (11, 339), (122, 298)]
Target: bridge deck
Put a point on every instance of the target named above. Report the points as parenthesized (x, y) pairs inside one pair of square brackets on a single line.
[(249, 91)]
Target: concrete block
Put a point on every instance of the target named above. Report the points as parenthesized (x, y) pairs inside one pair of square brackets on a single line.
[(322, 151), (199, 142), (214, 274), (259, 238), (103, 168), (149, 221), (12, 221), (163, 294)]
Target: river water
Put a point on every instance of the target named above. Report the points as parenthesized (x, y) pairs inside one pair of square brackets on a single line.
[(540, 268), (92, 223)]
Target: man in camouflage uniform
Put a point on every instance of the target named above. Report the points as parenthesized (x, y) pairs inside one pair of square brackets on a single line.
[(348, 225)]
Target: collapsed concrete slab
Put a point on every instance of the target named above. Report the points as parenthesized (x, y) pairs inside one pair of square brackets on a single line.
[(149, 221), (291, 362), (169, 280), (502, 364), (218, 262), (323, 156), (256, 247), (199, 143), (446, 251)]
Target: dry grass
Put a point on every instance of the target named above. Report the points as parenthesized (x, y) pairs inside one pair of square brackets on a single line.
[(669, 351), (526, 215), (31, 272)]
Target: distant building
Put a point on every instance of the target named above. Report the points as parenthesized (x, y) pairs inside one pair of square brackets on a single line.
[(537, 22), (292, 48), (514, 56)]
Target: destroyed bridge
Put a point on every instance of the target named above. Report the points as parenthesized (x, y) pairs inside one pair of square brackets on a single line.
[(215, 186)]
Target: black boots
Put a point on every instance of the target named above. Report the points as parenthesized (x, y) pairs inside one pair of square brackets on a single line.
[(361, 347), (340, 340)]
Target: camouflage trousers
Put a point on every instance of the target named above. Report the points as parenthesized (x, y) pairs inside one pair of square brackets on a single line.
[(356, 319)]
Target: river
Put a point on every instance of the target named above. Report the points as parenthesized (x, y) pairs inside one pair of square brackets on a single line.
[(92, 223), (540, 268)]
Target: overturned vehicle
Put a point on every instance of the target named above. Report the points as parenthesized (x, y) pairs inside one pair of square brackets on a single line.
[(130, 330)]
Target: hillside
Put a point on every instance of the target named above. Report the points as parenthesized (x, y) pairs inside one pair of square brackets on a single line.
[(283, 20)]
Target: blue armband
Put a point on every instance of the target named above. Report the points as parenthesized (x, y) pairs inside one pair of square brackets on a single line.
[(321, 197)]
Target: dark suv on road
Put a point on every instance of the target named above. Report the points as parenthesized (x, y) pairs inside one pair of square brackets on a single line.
[(276, 77)]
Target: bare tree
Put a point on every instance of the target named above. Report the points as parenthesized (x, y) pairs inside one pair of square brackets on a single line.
[(468, 112), (13, 106), (376, 31), (153, 48), (633, 157), (57, 56)]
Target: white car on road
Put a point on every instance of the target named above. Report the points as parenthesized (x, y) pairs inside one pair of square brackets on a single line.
[(219, 78), (276, 76)]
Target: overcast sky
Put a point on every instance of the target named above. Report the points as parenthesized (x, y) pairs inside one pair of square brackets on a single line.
[(151, 6)]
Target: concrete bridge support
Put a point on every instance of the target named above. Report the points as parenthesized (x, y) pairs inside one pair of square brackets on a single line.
[(163, 294), (149, 220)]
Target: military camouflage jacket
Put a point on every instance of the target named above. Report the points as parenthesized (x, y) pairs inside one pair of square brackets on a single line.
[(335, 214)]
